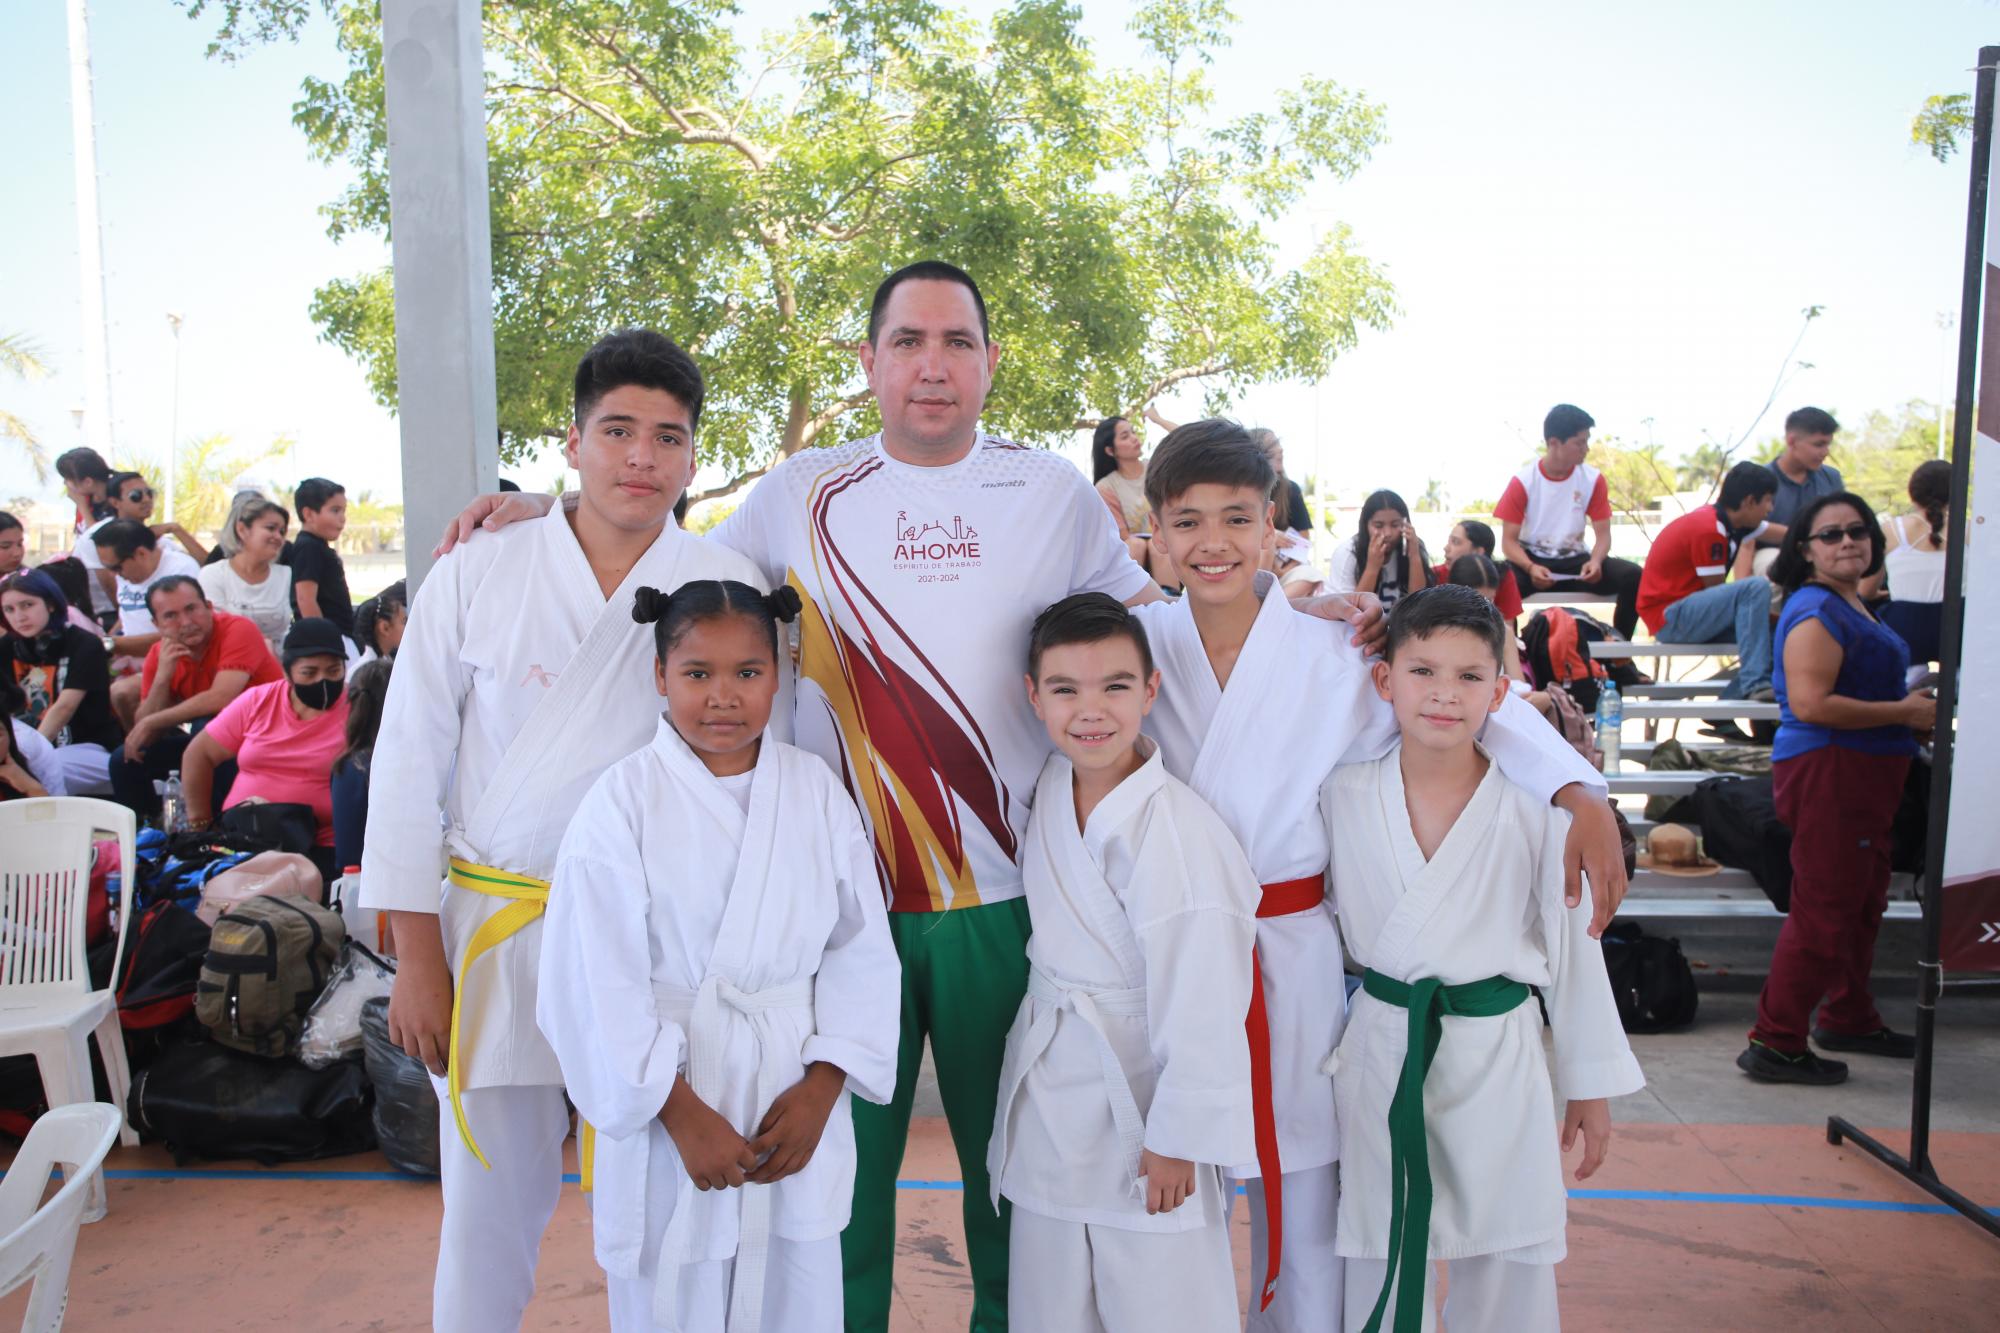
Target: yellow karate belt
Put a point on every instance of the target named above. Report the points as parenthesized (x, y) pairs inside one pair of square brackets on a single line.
[(530, 898)]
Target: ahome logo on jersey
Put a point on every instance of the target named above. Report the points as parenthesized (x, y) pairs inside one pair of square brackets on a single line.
[(950, 545)]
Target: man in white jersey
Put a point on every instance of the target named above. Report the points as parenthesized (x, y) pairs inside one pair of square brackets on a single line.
[(923, 555), (521, 678), (1543, 514)]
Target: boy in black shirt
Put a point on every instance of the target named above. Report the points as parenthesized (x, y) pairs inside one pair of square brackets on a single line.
[(319, 579)]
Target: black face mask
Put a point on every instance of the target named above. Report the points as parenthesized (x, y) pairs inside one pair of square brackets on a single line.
[(321, 694)]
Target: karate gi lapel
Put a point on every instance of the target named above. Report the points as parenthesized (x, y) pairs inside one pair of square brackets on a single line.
[(1082, 851), (755, 835), (1237, 738), (1425, 884), (535, 747)]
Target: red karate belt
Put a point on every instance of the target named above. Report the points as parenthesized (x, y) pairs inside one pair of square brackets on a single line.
[(1285, 899)]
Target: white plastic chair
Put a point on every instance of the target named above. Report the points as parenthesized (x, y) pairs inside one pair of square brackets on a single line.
[(47, 1007), (38, 1240)]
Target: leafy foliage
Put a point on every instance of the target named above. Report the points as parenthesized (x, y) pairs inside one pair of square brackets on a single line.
[(645, 170), (21, 359), (1944, 120)]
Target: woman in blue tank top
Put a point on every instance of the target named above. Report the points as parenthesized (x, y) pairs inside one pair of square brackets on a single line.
[(1846, 735)]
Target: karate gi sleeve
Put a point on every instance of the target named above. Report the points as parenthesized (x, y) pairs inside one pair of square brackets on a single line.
[(1592, 1056), (1533, 755), (1198, 981), (1102, 563), (858, 993), (411, 769), (594, 998)]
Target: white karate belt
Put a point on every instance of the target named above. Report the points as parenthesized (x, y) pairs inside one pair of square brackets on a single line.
[(695, 1226), (1091, 1006)]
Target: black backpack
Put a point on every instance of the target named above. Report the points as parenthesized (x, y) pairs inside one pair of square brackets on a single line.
[(1740, 828), (1650, 979), (206, 1101), (1582, 686)]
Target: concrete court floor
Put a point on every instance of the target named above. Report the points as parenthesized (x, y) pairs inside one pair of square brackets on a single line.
[(1722, 1208)]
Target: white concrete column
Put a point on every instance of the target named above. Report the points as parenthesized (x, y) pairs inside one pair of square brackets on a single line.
[(442, 250), (97, 431)]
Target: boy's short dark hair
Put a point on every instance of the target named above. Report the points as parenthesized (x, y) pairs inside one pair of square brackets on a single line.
[(1446, 606), (638, 357), (82, 464), (1811, 421), (1480, 535), (1746, 482), (1086, 617), (122, 536), (1216, 452), (8, 522), (314, 492), (1565, 420), (925, 270)]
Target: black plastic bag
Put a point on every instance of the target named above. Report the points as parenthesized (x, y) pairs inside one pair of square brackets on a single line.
[(1650, 979), (206, 1101), (406, 1105)]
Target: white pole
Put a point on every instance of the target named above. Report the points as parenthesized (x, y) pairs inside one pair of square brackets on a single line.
[(173, 421), (89, 236), (434, 97), (1945, 321)]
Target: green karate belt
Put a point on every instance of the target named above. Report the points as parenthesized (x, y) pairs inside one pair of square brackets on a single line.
[(1428, 1001)]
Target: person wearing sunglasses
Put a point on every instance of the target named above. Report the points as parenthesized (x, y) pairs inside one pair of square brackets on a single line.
[(1848, 730), (132, 496)]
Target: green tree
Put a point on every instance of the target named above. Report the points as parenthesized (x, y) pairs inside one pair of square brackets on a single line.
[(1877, 456), (22, 359), (210, 467), (1435, 499), (1943, 121), (1703, 469), (1635, 475), (645, 170)]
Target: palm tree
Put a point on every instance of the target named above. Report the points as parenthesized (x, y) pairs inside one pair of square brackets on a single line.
[(206, 482), (1702, 470), (22, 359), (1436, 496)]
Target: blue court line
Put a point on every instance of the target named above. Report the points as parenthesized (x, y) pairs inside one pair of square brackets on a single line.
[(1626, 1196)]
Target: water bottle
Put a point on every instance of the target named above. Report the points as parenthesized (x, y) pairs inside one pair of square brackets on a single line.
[(173, 805), (1610, 721)]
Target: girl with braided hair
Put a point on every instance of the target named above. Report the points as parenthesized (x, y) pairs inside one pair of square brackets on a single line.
[(716, 976)]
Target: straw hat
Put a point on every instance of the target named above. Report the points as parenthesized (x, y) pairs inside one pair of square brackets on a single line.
[(1675, 849)]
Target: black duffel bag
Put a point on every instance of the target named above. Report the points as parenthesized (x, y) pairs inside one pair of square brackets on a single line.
[(406, 1105), (206, 1101), (1650, 979), (1741, 829)]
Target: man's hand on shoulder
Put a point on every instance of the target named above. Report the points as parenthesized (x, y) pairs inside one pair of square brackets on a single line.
[(1362, 610), (492, 512)]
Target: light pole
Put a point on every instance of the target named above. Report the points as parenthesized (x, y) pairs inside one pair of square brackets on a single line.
[(1945, 321), (173, 419), (89, 236)]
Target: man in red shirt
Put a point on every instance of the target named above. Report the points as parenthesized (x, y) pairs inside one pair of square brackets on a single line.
[(204, 659), (1543, 514), (1683, 598)]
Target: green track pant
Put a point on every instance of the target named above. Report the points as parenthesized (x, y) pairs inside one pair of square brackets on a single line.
[(964, 973)]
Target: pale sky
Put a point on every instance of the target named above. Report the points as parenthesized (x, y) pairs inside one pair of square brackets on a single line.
[(1622, 207)]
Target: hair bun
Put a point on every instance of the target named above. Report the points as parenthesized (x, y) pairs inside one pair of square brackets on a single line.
[(784, 602), (648, 605)]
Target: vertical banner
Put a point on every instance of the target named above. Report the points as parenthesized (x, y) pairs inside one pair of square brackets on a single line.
[(1970, 939)]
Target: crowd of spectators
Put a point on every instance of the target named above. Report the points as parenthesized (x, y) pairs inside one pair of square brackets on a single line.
[(141, 656)]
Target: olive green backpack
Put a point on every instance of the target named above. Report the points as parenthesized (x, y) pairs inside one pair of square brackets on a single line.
[(268, 960)]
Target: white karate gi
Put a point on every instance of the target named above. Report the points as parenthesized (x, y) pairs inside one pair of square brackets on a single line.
[(1300, 701), (1130, 1037), (1488, 903), (686, 935), (517, 684)]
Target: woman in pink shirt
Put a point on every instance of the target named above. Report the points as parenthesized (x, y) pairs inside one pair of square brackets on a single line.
[(284, 737)]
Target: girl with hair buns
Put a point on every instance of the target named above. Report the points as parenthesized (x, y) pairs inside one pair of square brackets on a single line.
[(715, 910)]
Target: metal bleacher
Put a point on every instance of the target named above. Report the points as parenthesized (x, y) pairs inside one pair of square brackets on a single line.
[(1656, 895)]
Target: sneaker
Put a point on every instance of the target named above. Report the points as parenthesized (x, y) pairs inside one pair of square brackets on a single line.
[(1882, 1041), (1768, 1066)]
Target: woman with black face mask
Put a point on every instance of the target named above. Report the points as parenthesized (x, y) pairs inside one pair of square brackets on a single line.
[(284, 737)]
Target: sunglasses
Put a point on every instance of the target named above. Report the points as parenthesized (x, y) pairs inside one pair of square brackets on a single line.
[(1854, 532), (133, 497)]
